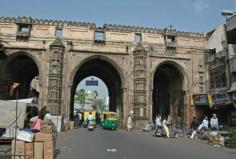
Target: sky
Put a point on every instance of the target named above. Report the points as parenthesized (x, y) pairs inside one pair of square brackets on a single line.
[(101, 88), (184, 15)]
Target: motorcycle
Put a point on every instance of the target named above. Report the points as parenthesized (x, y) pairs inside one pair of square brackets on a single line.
[(90, 125), (160, 132)]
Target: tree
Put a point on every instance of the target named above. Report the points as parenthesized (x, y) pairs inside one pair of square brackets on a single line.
[(80, 96), (101, 105)]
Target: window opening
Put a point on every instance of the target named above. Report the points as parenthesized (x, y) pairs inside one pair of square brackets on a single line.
[(170, 39), (138, 38), (58, 33), (99, 37)]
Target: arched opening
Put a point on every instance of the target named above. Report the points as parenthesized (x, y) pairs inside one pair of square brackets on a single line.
[(22, 69), (104, 70), (91, 93), (3, 58), (168, 94)]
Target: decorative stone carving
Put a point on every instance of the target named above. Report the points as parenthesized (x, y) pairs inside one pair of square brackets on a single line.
[(55, 76), (140, 55)]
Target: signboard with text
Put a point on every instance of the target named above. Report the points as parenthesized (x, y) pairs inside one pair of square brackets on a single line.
[(221, 99), (91, 83), (200, 99)]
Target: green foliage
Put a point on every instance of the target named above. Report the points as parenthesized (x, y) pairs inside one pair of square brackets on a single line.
[(80, 96), (100, 104)]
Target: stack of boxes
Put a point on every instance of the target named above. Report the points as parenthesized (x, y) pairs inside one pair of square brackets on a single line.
[(41, 147)]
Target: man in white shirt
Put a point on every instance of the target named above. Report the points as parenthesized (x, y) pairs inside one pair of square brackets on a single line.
[(158, 121), (214, 122), (204, 124)]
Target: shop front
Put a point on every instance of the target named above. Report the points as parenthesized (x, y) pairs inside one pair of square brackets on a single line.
[(223, 106), (232, 114), (202, 105)]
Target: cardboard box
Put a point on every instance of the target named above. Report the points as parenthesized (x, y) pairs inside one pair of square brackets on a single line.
[(20, 149), (48, 149), (72, 123), (43, 137), (46, 129), (38, 150), (57, 120), (213, 138), (216, 141), (67, 126), (29, 150)]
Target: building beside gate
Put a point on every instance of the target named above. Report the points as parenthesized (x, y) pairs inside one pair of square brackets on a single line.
[(148, 71), (221, 69)]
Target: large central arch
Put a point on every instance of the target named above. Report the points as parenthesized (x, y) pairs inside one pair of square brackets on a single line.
[(168, 92), (102, 68)]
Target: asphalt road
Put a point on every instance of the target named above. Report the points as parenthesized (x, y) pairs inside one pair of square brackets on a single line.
[(105, 144)]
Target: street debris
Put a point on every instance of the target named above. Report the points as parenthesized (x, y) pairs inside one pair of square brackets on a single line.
[(111, 150)]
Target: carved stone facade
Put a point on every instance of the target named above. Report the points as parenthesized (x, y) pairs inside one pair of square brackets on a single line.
[(55, 76), (129, 70), (140, 90)]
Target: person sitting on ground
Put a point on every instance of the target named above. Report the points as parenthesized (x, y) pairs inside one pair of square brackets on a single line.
[(204, 124), (193, 127), (214, 122)]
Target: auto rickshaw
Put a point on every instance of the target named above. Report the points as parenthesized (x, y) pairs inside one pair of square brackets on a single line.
[(85, 116), (109, 120)]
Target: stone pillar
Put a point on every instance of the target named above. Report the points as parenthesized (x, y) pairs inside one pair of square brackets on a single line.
[(55, 77), (140, 88)]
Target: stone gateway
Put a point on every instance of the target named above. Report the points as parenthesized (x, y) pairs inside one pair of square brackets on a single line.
[(148, 71)]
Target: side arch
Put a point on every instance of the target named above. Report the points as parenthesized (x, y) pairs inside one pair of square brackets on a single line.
[(169, 84), (179, 67), (22, 67)]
